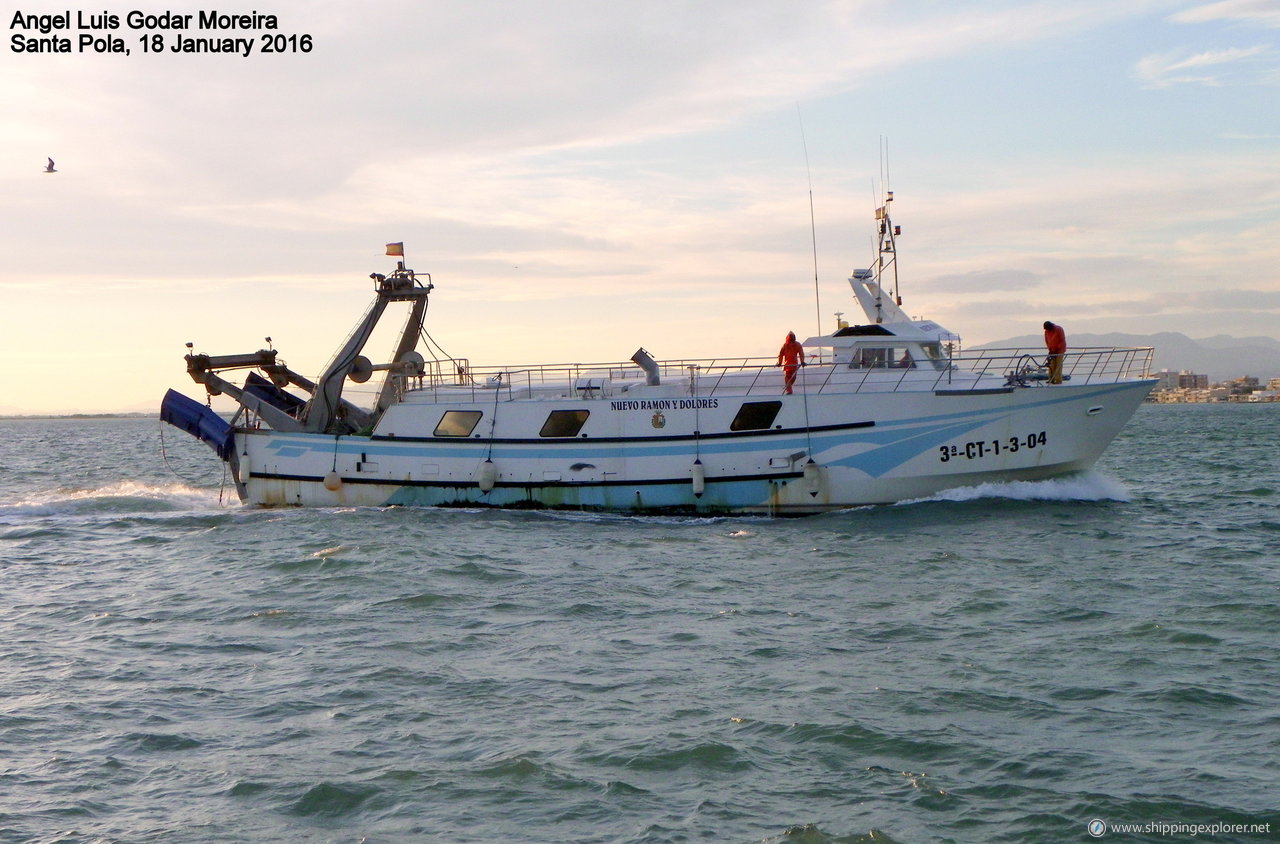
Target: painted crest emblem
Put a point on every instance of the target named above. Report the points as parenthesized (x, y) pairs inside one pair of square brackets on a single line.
[(658, 420)]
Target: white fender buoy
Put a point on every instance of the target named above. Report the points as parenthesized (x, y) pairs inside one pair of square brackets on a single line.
[(242, 469), (488, 476), (812, 477), (332, 482), (699, 478)]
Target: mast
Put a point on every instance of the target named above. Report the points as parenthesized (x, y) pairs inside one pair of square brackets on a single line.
[(869, 284), (322, 413), (888, 258)]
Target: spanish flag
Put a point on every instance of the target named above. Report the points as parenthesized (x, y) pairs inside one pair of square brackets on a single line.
[(395, 249)]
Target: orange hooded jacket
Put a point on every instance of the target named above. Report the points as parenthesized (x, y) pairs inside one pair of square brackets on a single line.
[(792, 353)]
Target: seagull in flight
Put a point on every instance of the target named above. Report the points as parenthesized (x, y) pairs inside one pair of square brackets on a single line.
[(49, 167)]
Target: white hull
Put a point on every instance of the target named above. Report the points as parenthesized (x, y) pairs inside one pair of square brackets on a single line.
[(866, 448)]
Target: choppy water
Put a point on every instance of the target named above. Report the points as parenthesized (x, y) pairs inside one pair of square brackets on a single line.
[(996, 664)]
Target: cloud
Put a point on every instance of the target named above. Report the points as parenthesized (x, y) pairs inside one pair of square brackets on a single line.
[(984, 280), (1254, 65), (1263, 12), (1235, 300), (1210, 67)]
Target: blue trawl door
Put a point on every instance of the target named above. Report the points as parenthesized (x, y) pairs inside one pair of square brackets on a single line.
[(197, 420)]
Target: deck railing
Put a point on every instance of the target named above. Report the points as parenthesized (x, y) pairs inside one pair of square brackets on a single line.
[(1090, 365), (973, 370)]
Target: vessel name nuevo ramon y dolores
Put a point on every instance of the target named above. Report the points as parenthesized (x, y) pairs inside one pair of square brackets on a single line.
[(882, 412)]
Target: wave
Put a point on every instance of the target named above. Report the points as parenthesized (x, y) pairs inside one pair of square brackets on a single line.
[(1087, 486), (609, 517), (119, 497)]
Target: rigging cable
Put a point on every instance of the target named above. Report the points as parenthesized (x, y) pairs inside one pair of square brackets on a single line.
[(164, 455), (804, 396), (493, 422), (697, 413), (813, 226)]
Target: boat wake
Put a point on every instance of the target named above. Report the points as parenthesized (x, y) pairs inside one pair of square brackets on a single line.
[(1087, 486), (121, 497)]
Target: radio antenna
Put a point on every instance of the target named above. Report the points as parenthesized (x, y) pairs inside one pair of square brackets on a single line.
[(813, 225), (884, 163)]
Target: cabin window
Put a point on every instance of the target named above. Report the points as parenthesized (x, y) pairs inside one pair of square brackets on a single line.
[(458, 423), (564, 423), (933, 355), (755, 415), (883, 357)]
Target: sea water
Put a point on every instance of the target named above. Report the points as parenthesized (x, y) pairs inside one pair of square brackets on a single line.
[(1002, 663)]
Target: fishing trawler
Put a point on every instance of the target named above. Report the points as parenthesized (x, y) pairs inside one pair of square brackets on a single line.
[(881, 412)]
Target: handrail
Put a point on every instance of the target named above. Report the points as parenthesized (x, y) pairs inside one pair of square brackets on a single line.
[(972, 370)]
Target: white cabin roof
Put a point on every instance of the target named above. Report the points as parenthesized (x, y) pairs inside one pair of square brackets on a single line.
[(921, 331)]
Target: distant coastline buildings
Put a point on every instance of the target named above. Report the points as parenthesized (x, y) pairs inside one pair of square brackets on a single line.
[(1191, 387)]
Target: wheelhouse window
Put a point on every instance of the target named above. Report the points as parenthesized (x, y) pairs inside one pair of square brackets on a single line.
[(458, 423), (882, 357), (564, 423), (755, 415), (933, 354)]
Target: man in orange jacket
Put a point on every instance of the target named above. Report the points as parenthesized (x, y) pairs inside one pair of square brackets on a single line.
[(790, 358), (1055, 340)]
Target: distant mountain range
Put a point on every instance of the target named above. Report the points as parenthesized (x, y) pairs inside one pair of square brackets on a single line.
[(1220, 357)]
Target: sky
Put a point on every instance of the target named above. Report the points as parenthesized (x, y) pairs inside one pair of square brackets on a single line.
[(583, 178)]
